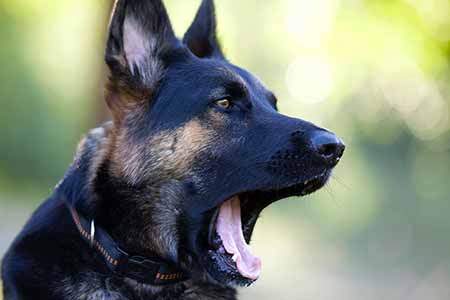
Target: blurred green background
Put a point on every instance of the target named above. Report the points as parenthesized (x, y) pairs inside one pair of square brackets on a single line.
[(377, 72)]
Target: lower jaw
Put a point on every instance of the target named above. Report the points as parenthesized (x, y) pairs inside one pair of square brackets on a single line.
[(221, 270)]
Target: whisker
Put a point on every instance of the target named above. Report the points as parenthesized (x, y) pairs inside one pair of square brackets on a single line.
[(334, 177), (329, 191)]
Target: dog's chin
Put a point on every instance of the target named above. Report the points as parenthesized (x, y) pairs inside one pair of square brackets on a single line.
[(227, 257)]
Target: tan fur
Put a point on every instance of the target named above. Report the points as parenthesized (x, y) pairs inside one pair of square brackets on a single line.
[(101, 136), (162, 160), (123, 98), (87, 286), (217, 120), (90, 286), (161, 219), (168, 153)]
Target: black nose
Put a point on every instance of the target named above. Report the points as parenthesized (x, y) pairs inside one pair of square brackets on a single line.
[(327, 145)]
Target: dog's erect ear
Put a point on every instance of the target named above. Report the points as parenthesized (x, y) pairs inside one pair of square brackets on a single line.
[(140, 34), (201, 36)]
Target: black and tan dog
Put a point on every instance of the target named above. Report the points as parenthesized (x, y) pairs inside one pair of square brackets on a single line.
[(161, 202)]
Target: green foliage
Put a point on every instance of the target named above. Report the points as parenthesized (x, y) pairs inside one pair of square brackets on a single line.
[(375, 72)]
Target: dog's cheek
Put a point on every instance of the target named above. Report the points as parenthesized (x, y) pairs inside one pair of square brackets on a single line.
[(170, 153), (166, 217)]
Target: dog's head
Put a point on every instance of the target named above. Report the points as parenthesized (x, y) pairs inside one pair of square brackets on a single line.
[(198, 148)]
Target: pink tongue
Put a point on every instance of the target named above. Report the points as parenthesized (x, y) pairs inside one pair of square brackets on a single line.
[(229, 229)]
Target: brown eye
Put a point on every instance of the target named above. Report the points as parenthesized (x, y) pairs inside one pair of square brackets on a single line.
[(223, 103)]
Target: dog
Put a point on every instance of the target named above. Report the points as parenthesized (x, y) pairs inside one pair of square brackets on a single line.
[(161, 202)]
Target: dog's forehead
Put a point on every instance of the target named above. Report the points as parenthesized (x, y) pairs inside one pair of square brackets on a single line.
[(212, 70), (239, 75), (228, 73), (252, 81), (222, 74)]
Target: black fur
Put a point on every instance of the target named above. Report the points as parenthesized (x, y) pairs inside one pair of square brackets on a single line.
[(155, 177), (201, 36)]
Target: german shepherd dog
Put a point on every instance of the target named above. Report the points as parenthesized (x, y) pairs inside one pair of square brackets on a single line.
[(161, 202)]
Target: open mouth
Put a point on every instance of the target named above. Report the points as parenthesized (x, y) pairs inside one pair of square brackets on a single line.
[(230, 257)]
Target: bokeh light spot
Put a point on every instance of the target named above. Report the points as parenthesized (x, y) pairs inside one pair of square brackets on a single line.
[(310, 79)]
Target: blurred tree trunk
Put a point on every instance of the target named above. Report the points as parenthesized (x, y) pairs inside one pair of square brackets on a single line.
[(101, 112)]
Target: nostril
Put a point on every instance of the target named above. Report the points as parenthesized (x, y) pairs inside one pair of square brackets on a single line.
[(327, 150)]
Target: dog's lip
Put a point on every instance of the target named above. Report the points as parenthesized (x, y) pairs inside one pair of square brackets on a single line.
[(299, 188), (212, 226)]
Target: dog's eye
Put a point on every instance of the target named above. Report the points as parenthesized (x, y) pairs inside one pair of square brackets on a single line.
[(223, 103)]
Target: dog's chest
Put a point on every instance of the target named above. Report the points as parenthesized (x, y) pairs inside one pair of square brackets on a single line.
[(91, 287)]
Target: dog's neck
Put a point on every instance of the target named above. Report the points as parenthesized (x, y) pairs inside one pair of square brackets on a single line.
[(113, 198), (128, 231), (188, 290), (124, 210), (93, 285)]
